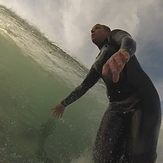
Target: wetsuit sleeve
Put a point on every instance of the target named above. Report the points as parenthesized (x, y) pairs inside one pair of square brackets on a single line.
[(91, 79), (123, 40)]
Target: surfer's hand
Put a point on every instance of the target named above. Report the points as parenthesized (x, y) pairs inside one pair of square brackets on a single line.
[(116, 64), (58, 111)]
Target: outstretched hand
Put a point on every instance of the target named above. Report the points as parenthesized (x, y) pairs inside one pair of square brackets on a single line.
[(58, 111), (116, 64)]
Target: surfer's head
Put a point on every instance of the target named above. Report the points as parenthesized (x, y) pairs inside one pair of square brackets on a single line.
[(99, 33)]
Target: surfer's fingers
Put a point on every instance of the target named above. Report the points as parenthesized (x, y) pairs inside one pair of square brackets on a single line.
[(113, 66), (54, 109), (55, 112), (123, 55), (57, 116), (61, 115), (118, 62), (116, 67), (105, 68)]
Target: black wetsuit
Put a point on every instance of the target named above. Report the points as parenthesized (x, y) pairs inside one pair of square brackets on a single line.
[(130, 126)]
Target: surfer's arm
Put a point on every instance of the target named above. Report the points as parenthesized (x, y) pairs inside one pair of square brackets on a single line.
[(123, 41), (88, 82), (126, 48)]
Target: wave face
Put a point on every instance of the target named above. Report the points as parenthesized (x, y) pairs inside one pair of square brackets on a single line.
[(35, 75)]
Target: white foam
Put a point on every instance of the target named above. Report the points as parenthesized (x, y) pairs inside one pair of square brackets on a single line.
[(85, 157)]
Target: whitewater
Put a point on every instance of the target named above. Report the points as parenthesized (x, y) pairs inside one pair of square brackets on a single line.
[(35, 75)]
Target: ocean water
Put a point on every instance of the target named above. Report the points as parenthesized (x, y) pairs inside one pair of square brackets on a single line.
[(35, 75)]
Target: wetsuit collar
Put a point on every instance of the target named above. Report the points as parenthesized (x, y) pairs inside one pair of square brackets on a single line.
[(106, 41)]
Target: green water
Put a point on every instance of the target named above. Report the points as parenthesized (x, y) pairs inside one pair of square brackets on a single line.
[(27, 95)]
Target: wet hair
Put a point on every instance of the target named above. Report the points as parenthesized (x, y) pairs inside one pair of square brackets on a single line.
[(106, 28)]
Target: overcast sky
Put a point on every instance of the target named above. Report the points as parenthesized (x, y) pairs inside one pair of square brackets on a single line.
[(68, 23)]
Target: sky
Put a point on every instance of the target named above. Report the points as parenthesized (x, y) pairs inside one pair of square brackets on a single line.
[(68, 24)]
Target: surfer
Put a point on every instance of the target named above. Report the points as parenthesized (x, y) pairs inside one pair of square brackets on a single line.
[(129, 129)]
